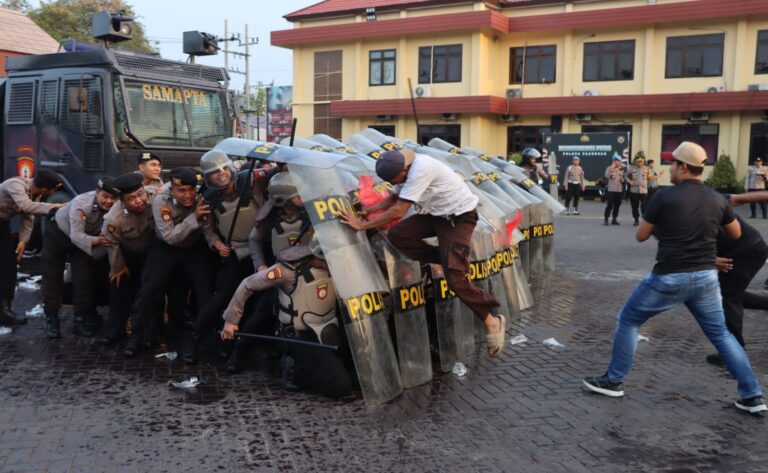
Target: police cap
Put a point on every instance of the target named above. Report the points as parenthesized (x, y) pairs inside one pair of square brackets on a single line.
[(106, 184), (128, 183), (185, 176), (147, 157), (47, 179)]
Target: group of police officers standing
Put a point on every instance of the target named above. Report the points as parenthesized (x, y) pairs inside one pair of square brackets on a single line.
[(205, 243)]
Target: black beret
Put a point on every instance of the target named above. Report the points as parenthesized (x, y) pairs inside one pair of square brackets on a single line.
[(47, 178), (146, 157), (106, 184), (128, 183), (185, 176)]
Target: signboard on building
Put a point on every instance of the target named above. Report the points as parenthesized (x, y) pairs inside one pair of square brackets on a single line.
[(596, 150), (279, 112)]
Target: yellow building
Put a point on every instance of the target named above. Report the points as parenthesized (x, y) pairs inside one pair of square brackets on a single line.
[(495, 74)]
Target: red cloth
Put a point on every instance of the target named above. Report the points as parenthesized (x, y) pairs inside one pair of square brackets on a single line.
[(368, 196)]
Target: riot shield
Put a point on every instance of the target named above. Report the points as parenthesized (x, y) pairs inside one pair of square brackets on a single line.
[(548, 241), (496, 284), (358, 281), (343, 148), (455, 323), (365, 146), (478, 272), (408, 300)]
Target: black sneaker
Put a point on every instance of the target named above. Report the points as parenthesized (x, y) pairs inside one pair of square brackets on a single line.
[(715, 359), (615, 222), (605, 223), (753, 404), (602, 385)]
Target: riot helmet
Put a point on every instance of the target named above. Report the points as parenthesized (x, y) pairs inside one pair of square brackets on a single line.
[(282, 188), (216, 160), (530, 154), (315, 248)]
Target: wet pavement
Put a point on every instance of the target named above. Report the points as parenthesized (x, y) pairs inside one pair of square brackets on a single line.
[(74, 406)]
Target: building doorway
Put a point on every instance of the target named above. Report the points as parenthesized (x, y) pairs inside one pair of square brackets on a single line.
[(758, 141)]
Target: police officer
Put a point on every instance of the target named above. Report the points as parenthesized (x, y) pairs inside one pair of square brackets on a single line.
[(179, 216), (637, 178), (307, 311), (281, 222), (755, 182), (128, 228), (20, 196), (150, 168), (573, 184), (75, 232), (530, 156), (614, 174), (224, 186)]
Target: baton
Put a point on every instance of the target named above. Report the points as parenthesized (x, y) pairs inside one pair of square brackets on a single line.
[(286, 340), (249, 180)]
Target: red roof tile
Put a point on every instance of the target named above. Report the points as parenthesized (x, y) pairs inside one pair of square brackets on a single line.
[(21, 35), (349, 7)]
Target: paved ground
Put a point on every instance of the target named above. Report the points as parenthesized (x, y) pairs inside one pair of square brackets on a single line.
[(72, 406)]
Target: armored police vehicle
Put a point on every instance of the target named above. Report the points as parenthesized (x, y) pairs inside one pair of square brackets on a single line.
[(87, 113)]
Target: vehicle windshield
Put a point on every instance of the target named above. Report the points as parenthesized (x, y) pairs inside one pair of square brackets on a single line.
[(173, 115)]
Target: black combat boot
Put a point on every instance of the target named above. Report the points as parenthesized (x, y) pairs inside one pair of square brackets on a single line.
[(93, 321), (288, 368), (7, 316), (191, 347), (52, 326), (81, 328), (235, 360), (132, 347)]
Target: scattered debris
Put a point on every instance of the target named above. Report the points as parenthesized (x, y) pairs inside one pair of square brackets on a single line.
[(31, 284), (5, 330), (643, 338), (551, 342), (459, 369), (518, 339), (186, 384), (171, 355), (36, 311)]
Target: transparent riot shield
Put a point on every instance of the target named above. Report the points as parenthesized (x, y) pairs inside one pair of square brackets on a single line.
[(410, 316), (495, 280), (358, 280), (365, 146), (478, 272), (548, 241), (455, 323)]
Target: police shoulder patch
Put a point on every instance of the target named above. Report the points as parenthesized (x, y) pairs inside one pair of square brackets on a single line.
[(165, 214), (82, 215), (275, 274), (111, 228)]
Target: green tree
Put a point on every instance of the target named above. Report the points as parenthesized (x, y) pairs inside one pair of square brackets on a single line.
[(20, 5), (64, 19), (723, 176)]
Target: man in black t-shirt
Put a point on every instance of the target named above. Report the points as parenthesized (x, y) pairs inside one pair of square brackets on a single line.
[(686, 220), (737, 261)]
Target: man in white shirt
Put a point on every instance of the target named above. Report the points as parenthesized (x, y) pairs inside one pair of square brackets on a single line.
[(446, 209)]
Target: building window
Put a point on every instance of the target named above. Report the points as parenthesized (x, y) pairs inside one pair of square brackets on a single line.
[(388, 130), (381, 67), (609, 60), (521, 137), (705, 135), (327, 88), (449, 133), (761, 63), (535, 64), (758, 141), (440, 64), (695, 56)]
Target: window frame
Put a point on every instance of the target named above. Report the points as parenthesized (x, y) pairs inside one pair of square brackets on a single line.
[(430, 128), (381, 61), (764, 41), (513, 52), (684, 51), (447, 55), (617, 53), (683, 136)]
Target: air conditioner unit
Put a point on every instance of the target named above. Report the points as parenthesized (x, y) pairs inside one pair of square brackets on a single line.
[(698, 117), (516, 93), (422, 91), (507, 118), (450, 117), (583, 117), (757, 87), (590, 92), (715, 88), (384, 118)]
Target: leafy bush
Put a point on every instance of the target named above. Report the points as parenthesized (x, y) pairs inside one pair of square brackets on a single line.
[(515, 158), (723, 176)]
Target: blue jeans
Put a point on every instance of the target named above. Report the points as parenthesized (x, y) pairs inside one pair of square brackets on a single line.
[(700, 292)]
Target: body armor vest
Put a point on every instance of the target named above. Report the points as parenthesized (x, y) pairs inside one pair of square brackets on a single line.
[(285, 233), (311, 305)]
